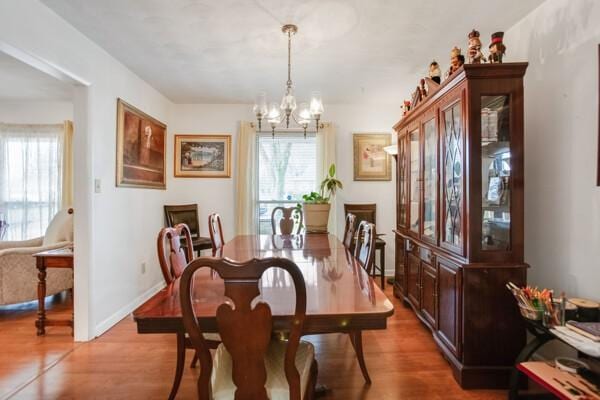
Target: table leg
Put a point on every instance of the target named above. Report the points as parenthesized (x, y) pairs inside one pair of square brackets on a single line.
[(524, 355), (180, 363), (41, 292)]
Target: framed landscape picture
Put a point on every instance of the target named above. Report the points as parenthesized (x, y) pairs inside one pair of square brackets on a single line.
[(141, 142), (203, 156), (371, 162)]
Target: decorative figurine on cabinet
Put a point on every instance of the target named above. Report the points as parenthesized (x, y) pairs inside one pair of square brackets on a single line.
[(434, 72), (456, 61), (475, 56), (497, 48), (423, 89), (405, 107)]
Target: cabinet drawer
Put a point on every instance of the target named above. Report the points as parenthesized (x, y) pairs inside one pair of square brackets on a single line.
[(426, 255)]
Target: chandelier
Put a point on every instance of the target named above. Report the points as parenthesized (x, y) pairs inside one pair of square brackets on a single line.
[(275, 114)]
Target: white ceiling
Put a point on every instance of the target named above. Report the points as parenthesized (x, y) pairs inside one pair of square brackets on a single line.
[(225, 51), (19, 81)]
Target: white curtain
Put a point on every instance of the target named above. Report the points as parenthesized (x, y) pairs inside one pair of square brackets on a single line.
[(326, 157), (31, 174), (246, 195)]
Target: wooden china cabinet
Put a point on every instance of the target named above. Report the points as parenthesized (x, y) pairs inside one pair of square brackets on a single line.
[(459, 236)]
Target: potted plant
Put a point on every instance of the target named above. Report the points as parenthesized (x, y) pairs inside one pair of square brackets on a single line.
[(316, 205)]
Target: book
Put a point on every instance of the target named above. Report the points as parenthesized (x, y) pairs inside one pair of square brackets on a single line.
[(590, 330)]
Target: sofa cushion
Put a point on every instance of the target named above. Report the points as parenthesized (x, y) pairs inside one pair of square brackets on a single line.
[(60, 229)]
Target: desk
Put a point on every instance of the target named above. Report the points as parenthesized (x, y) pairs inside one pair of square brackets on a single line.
[(341, 296), (540, 336), (59, 258)]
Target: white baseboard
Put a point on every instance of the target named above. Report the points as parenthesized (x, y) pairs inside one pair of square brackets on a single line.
[(126, 310)]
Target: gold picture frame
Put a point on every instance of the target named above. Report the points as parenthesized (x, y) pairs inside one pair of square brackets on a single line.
[(371, 162), (202, 156), (141, 149)]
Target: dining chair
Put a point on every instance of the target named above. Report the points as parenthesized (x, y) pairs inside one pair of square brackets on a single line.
[(368, 212), (249, 365), (287, 221), (187, 214), (173, 259), (364, 249), (215, 230), (349, 230), (364, 252)]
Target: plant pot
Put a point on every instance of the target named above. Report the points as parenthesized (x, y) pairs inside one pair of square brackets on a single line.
[(316, 217)]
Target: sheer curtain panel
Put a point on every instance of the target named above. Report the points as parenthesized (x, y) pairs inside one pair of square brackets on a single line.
[(31, 175), (246, 180)]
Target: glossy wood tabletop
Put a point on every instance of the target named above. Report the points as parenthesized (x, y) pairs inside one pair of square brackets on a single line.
[(341, 297)]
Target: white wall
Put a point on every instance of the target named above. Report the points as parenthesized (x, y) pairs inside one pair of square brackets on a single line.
[(35, 112), (562, 204), (218, 195), (115, 230)]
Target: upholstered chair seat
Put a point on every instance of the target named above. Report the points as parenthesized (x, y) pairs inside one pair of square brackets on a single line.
[(277, 385)]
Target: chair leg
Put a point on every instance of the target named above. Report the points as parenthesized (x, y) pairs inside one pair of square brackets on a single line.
[(179, 366), (194, 360), (356, 340)]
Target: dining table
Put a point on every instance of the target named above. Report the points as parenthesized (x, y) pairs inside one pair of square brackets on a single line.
[(341, 296)]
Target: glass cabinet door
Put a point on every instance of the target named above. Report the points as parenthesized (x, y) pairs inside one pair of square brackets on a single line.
[(402, 198), (430, 180), (495, 172), (415, 189), (453, 176)]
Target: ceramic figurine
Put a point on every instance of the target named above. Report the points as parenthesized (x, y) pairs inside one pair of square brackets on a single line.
[(422, 88), (405, 107), (474, 53), (497, 48), (456, 61), (434, 72)]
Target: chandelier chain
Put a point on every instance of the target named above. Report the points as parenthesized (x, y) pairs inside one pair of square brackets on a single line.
[(289, 81)]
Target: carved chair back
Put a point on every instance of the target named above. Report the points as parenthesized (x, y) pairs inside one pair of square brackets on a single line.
[(186, 214), (364, 250), (216, 232), (363, 212), (171, 256), (246, 347), (287, 221), (349, 230)]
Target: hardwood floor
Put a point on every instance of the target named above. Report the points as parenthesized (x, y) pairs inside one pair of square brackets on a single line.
[(403, 362)]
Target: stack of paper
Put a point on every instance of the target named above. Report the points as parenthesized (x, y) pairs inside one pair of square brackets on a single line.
[(578, 341)]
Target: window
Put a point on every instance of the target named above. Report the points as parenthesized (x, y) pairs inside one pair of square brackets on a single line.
[(30, 178), (286, 170)]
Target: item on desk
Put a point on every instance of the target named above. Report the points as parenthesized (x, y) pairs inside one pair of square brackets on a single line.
[(587, 310), (591, 330), (535, 304), (568, 364), (580, 342)]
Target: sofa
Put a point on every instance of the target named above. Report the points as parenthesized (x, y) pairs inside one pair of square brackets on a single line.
[(18, 272)]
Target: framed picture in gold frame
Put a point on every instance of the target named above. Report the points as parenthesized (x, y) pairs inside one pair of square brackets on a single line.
[(202, 156), (371, 162), (141, 146)]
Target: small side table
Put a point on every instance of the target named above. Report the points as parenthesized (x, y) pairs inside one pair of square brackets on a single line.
[(59, 258)]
